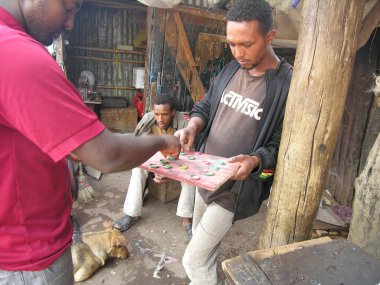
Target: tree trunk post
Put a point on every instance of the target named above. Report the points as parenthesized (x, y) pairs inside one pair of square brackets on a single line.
[(325, 56)]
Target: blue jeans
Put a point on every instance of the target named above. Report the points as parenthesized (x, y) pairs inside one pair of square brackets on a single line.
[(59, 273)]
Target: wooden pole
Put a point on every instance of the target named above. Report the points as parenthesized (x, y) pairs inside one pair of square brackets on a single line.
[(365, 223), (325, 55), (109, 50), (107, 59)]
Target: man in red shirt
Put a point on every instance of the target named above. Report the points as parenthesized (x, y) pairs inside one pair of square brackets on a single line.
[(42, 120)]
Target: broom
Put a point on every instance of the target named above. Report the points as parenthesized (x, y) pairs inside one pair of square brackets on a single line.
[(85, 191)]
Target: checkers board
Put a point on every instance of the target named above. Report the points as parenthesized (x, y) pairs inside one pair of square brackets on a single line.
[(194, 168)]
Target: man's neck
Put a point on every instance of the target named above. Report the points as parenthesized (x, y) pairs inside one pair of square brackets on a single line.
[(270, 61)]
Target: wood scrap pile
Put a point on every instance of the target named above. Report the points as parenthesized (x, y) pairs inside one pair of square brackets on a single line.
[(333, 220)]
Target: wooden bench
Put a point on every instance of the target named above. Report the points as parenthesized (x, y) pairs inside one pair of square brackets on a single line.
[(321, 261)]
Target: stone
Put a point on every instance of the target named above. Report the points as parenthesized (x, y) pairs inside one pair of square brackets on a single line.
[(166, 191)]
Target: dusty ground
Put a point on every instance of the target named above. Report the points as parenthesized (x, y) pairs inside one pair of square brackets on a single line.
[(159, 230)]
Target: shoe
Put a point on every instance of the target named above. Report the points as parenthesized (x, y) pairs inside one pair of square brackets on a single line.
[(189, 231), (124, 223)]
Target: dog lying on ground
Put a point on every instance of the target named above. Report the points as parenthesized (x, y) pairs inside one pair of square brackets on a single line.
[(90, 253)]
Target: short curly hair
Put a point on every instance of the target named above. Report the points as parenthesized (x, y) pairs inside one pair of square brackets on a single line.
[(164, 98), (249, 10)]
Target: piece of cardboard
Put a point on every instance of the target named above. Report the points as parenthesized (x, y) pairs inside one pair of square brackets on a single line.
[(210, 171)]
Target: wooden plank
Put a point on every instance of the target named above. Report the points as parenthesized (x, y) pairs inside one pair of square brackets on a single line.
[(219, 15), (107, 60), (116, 87), (157, 50), (319, 261), (192, 79), (184, 42), (203, 22), (336, 262), (148, 102), (172, 40), (114, 4), (318, 225), (169, 56), (267, 253), (209, 47), (278, 43), (207, 37), (282, 43), (108, 50), (243, 270)]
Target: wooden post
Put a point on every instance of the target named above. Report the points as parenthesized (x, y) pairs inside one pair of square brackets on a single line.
[(148, 101), (324, 60), (365, 223)]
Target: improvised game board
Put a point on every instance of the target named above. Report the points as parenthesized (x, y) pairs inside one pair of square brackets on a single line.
[(195, 168)]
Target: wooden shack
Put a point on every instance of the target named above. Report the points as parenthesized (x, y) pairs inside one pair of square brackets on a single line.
[(186, 48)]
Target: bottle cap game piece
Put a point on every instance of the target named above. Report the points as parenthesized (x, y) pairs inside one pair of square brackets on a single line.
[(190, 157), (194, 177), (220, 162), (214, 167), (183, 167), (167, 166), (164, 161), (171, 158), (182, 153), (152, 165), (209, 173)]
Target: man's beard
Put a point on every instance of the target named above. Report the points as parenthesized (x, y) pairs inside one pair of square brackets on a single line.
[(248, 68)]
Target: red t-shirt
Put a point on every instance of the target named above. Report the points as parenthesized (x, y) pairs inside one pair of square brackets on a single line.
[(42, 119), (138, 101)]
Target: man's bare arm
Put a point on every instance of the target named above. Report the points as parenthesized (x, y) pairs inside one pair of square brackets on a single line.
[(187, 135), (108, 152)]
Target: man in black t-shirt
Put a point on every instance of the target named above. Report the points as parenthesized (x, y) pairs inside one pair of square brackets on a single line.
[(241, 118)]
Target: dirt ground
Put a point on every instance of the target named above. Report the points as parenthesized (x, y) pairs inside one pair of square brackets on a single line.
[(159, 230)]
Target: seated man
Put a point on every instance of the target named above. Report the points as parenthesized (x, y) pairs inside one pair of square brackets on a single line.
[(163, 120)]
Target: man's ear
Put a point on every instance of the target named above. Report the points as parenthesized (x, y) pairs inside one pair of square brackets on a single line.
[(270, 36), (173, 111)]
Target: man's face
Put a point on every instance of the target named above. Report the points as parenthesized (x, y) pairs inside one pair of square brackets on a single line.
[(248, 46), (163, 115), (46, 19)]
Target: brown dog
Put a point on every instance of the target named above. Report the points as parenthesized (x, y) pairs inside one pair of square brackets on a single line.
[(91, 253)]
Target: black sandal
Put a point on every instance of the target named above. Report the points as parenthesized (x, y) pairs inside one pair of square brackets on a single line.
[(124, 223)]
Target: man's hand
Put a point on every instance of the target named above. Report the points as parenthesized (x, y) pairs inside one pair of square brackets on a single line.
[(172, 146), (186, 137), (247, 165), (159, 178), (73, 157)]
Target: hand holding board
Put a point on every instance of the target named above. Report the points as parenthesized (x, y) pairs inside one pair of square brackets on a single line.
[(194, 168)]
